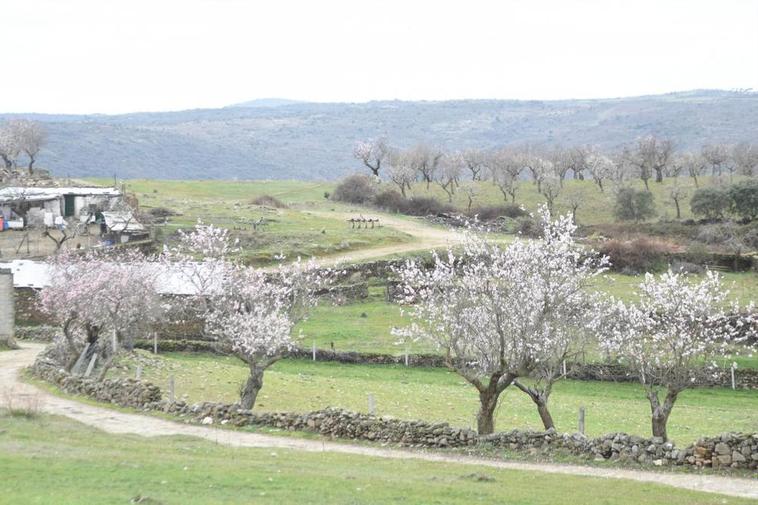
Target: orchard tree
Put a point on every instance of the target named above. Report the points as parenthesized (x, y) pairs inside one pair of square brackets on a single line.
[(498, 314), (30, 137), (402, 171), (745, 158), (718, 158), (600, 167), (95, 293), (476, 161), (9, 146), (550, 189), (673, 336), (505, 166), (650, 156), (693, 164), (249, 311), (677, 193), (448, 175), (372, 153)]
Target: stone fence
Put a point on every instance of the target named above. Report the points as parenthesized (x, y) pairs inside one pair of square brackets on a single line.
[(729, 450)]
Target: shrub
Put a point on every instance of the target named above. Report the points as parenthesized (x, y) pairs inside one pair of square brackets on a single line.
[(390, 200), (492, 212), (356, 188), (529, 227), (269, 201), (633, 205), (710, 203), (642, 254), (425, 206), (162, 212), (744, 199)]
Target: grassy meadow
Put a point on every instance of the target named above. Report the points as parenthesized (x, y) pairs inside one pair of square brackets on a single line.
[(435, 394), (53, 460)]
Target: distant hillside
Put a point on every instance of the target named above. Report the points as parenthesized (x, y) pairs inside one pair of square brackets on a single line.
[(283, 140)]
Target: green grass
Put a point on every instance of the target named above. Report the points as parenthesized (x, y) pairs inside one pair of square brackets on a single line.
[(290, 231), (52, 460), (440, 395)]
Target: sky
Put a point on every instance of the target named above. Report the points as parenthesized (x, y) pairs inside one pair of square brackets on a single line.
[(116, 56)]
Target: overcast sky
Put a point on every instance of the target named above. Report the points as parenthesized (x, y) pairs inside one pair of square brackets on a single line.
[(112, 56)]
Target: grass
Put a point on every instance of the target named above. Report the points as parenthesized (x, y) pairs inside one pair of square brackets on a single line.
[(439, 395), (55, 460), (366, 326), (290, 231)]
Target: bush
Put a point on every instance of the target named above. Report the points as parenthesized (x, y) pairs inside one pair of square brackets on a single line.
[(633, 205), (642, 254), (744, 199), (390, 200), (357, 188), (269, 201), (492, 212), (162, 212), (529, 227), (710, 203)]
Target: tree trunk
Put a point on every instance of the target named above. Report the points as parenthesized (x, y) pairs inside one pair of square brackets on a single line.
[(646, 185), (658, 175), (660, 413), (540, 399), (252, 387), (678, 212), (485, 419), (31, 164)]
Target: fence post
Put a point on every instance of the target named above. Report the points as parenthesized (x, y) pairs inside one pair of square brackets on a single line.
[(406, 356), (581, 420), (138, 374), (734, 384), (371, 405), (91, 365), (313, 349)]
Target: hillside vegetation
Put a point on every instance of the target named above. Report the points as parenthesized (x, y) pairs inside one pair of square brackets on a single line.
[(315, 141)]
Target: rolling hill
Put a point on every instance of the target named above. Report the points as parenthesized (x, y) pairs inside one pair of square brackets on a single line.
[(283, 139)]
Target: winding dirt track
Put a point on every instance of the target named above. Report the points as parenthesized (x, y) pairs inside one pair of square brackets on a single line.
[(111, 421)]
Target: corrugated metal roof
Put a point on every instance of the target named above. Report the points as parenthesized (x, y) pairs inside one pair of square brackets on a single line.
[(17, 193)]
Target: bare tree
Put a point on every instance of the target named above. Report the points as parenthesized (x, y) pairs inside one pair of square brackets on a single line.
[(505, 166), (650, 156), (425, 161), (475, 160), (694, 164), (677, 193), (9, 146), (717, 156), (372, 153), (402, 171), (450, 168), (745, 158), (550, 189), (30, 136)]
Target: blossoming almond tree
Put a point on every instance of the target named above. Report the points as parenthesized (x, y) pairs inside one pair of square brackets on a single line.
[(672, 337), (499, 313), (251, 311), (96, 292)]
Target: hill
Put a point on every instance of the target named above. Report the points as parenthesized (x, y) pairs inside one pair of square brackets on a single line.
[(279, 139)]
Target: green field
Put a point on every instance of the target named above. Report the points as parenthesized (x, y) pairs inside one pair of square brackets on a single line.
[(52, 460), (439, 395)]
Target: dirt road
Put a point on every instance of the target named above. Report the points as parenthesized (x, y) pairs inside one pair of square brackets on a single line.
[(111, 421)]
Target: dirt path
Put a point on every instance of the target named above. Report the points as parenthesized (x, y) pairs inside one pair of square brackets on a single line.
[(425, 237), (111, 421)]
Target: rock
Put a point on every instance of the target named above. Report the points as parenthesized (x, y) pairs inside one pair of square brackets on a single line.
[(722, 448), (724, 460), (207, 420), (737, 457)]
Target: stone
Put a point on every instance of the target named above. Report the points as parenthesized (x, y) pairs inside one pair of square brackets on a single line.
[(737, 457), (207, 420), (722, 448), (724, 460)]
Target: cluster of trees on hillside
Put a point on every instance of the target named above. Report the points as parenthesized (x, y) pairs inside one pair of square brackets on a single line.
[(650, 158), (21, 137)]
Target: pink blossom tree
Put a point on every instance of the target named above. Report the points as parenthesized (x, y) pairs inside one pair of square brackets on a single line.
[(672, 337), (372, 153), (92, 293), (500, 313), (250, 311)]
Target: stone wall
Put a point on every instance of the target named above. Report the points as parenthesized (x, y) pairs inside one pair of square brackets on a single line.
[(729, 450), (122, 392)]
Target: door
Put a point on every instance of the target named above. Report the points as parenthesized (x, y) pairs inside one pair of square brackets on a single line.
[(69, 207)]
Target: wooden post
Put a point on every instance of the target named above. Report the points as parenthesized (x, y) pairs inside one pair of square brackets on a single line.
[(734, 384), (91, 365), (155, 343), (138, 374), (581, 420), (371, 405), (314, 349), (171, 396), (77, 370), (564, 367), (406, 356)]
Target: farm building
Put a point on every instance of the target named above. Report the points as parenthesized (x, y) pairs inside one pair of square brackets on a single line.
[(25, 207)]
